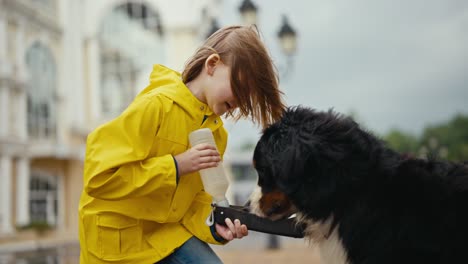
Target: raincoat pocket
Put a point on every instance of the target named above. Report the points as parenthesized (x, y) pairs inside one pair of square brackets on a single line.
[(118, 236)]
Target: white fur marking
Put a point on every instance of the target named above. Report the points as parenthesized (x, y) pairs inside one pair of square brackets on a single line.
[(255, 202), (331, 248)]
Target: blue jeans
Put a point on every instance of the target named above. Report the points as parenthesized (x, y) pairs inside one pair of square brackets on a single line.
[(193, 251)]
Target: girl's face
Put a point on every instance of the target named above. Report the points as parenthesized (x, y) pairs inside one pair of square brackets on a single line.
[(218, 94)]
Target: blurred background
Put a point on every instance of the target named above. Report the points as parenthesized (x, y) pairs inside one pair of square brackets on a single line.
[(400, 68)]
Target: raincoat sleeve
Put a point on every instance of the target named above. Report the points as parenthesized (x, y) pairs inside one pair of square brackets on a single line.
[(195, 219), (117, 163)]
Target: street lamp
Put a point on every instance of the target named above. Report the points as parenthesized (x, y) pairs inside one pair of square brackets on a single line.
[(288, 41), (213, 27), (287, 36), (248, 11)]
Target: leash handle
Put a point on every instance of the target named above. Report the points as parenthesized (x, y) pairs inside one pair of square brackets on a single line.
[(284, 227)]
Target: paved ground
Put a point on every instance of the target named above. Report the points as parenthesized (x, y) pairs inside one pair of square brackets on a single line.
[(253, 249), (290, 255)]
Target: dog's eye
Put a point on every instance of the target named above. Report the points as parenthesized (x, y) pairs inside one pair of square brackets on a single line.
[(276, 206)]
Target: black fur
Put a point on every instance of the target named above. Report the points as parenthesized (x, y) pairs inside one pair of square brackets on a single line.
[(388, 208)]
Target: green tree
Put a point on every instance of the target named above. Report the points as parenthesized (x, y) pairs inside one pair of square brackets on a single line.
[(445, 140), (452, 136), (401, 141)]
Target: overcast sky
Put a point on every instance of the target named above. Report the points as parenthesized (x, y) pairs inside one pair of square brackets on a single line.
[(395, 63)]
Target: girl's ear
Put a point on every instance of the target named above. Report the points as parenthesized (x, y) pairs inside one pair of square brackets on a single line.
[(211, 63)]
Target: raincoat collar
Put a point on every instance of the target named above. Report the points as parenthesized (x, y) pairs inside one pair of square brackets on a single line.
[(170, 83)]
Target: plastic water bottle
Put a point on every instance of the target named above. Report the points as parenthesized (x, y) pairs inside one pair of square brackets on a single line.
[(214, 179)]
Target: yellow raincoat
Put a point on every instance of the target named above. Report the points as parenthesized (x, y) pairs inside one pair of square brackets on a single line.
[(132, 209)]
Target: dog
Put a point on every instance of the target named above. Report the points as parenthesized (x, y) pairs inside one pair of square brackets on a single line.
[(361, 202)]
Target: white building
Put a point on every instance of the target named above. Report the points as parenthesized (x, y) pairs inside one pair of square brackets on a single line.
[(242, 176), (65, 67)]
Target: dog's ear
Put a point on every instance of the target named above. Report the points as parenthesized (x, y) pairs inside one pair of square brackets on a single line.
[(311, 168), (290, 166)]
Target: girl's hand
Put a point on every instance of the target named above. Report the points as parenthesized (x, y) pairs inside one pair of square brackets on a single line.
[(232, 230), (199, 157)]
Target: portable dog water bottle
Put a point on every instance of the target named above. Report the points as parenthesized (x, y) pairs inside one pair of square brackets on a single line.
[(283, 227), (214, 179)]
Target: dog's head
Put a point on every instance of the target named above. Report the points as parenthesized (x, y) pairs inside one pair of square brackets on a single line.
[(307, 161)]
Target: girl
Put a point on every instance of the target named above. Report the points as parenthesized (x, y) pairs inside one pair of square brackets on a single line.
[(143, 200)]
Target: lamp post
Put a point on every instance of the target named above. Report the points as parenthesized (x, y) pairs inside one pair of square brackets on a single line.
[(288, 41), (287, 37), (213, 27), (248, 11)]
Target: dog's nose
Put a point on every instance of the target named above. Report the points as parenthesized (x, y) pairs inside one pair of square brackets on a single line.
[(275, 208)]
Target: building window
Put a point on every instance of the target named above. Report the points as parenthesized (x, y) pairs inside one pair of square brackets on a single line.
[(43, 203), (118, 78), (243, 172), (142, 15), (130, 43), (41, 93), (244, 178)]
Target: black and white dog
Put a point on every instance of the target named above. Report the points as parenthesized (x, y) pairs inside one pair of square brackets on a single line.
[(361, 201)]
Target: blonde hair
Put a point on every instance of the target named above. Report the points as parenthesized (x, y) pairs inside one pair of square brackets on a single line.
[(254, 78)]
